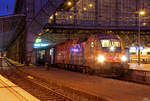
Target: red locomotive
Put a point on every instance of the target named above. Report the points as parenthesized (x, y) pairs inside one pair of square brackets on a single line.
[(100, 53)]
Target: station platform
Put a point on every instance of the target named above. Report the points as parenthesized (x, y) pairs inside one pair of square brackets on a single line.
[(14, 62), (11, 92)]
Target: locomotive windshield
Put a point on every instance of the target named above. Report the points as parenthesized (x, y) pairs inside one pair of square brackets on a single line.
[(107, 44)]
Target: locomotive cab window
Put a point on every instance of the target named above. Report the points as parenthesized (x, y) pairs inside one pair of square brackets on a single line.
[(115, 43), (110, 45), (105, 43)]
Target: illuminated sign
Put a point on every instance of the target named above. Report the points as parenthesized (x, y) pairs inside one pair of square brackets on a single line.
[(76, 48), (40, 45), (136, 48)]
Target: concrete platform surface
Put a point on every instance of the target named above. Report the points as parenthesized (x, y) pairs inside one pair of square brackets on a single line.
[(11, 92)]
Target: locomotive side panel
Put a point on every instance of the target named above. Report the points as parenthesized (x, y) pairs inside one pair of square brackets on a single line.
[(76, 52), (61, 55), (58, 55), (82, 54), (89, 52)]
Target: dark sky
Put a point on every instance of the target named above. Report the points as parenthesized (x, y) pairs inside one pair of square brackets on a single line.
[(4, 4)]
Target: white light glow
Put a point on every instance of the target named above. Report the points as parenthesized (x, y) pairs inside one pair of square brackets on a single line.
[(112, 48), (84, 9), (142, 13), (101, 58), (124, 58), (69, 3), (90, 5), (51, 17)]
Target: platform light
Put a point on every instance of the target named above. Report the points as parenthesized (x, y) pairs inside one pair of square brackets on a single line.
[(56, 13), (47, 30), (84, 9), (40, 34), (144, 24), (142, 12), (51, 17), (90, 5), (70, 17), (69, 3), (38, 40)]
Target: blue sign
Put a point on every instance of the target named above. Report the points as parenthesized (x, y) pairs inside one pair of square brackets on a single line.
[(40, 45), (136, 48), (76, 48)]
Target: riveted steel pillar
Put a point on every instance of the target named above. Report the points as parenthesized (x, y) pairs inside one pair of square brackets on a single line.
[(35, 21)]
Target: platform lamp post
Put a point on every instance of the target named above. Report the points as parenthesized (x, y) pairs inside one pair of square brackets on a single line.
[(140, 13)]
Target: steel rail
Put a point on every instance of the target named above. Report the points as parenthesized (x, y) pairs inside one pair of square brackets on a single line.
[(39, 83), (82, 94)]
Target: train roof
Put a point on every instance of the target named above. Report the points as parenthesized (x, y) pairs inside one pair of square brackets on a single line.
[(107, 36)]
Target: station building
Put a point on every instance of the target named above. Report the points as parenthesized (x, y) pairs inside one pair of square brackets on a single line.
[(80, 18)]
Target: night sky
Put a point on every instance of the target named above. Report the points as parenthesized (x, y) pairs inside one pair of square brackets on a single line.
[(4, 4)]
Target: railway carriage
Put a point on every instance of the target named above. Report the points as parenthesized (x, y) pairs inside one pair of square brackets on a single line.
[(144, 54), (99, 53)]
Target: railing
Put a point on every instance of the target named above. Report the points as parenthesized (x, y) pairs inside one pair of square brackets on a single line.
[(141, 76), (89, 24)]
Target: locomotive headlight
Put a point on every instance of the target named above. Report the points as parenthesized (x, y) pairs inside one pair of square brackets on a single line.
[(124, 58), (112, 48), (101, 58)]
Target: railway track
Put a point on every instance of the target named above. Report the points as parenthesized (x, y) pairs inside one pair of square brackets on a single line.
[(75, 95), (47, 91), (34, 86)]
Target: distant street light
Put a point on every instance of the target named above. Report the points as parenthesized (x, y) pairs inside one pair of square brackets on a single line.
[(69, 3), (141, 13)]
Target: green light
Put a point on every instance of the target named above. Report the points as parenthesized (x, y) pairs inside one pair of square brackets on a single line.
[(38, 40)]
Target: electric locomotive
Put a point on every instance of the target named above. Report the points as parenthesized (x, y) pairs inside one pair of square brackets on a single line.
[(99, 53)]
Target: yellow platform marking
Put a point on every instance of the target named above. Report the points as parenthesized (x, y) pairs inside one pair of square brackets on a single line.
[(30, 77), (22, 92)]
